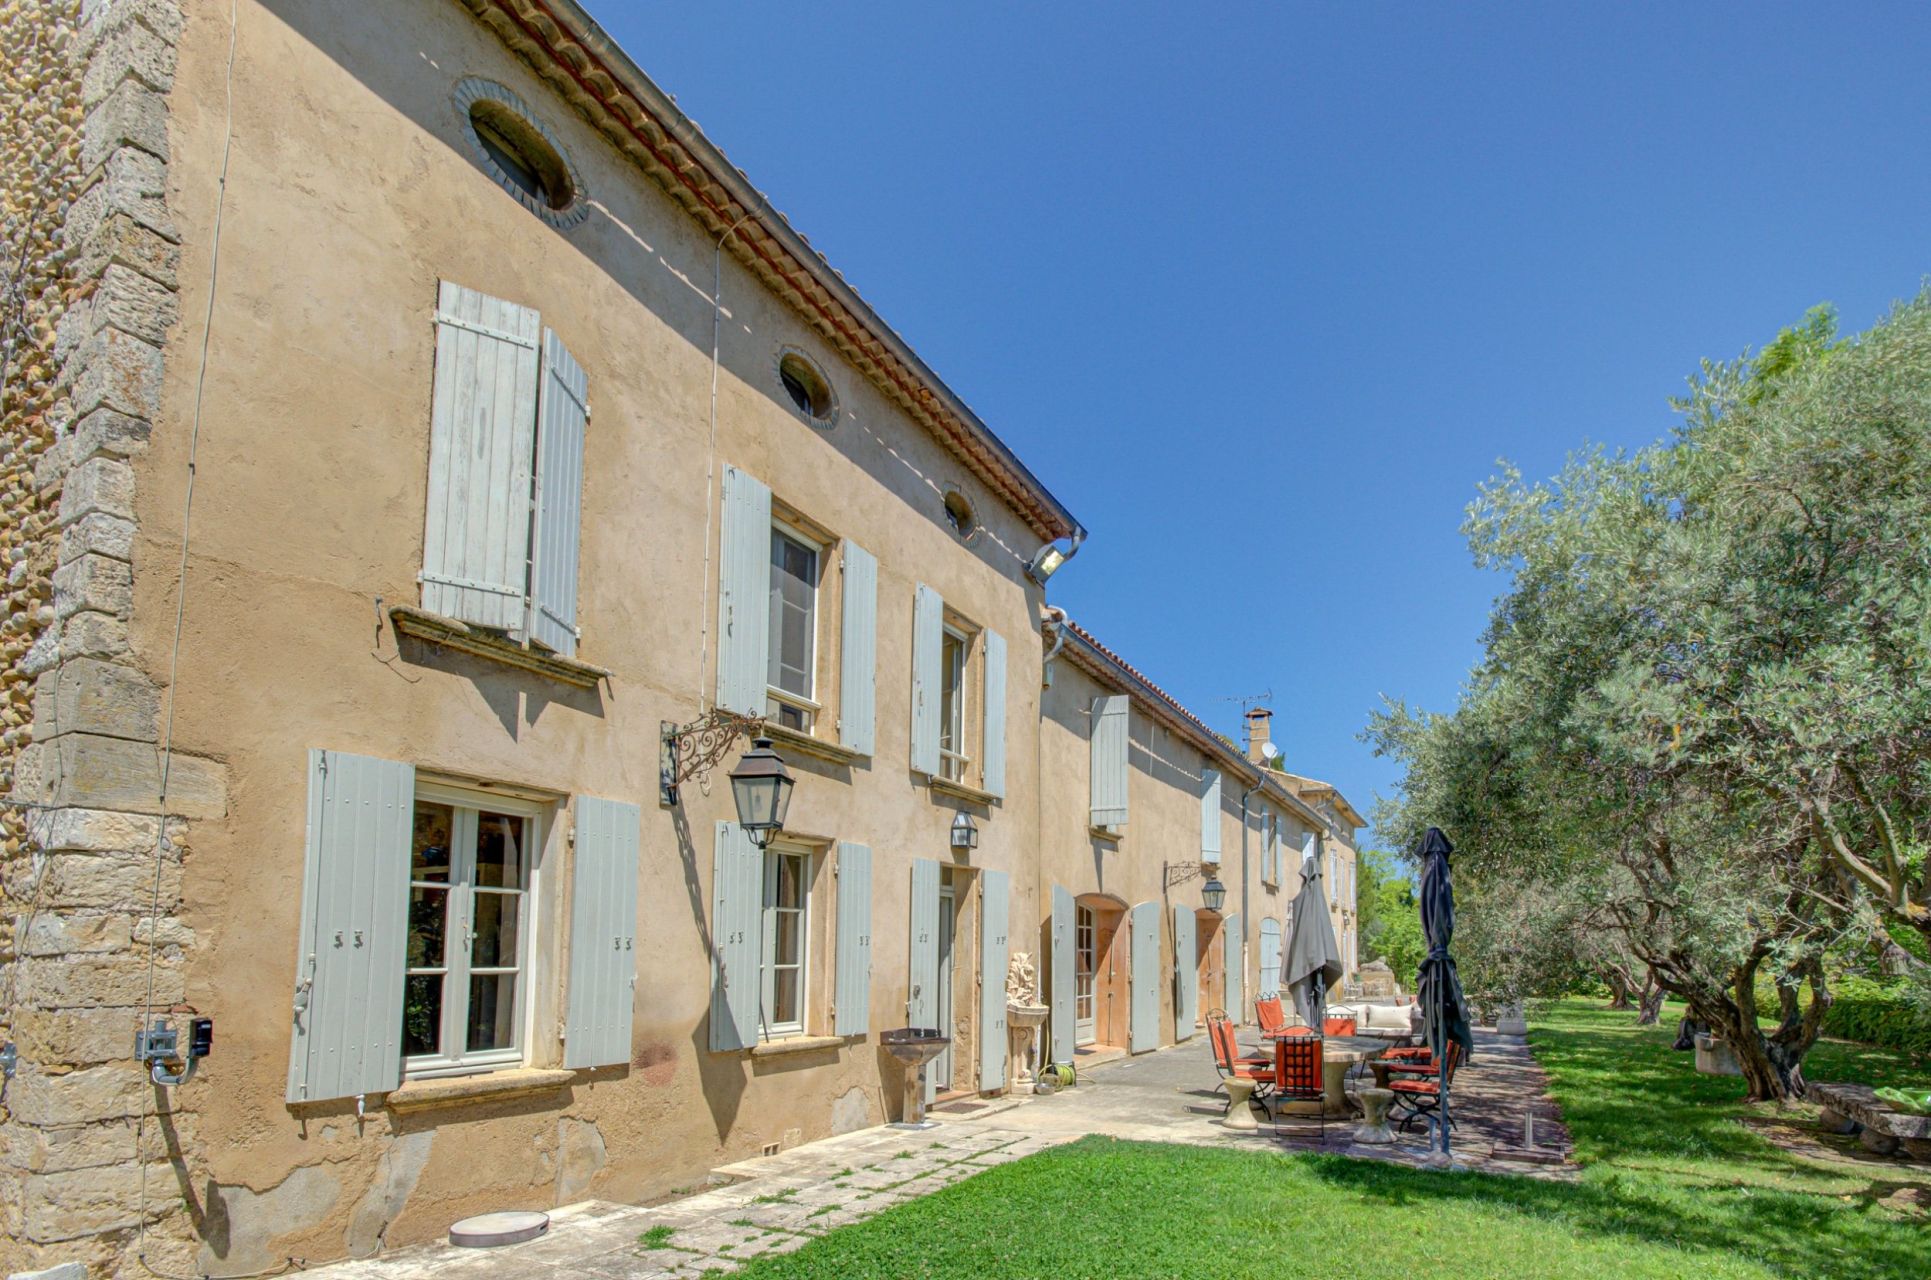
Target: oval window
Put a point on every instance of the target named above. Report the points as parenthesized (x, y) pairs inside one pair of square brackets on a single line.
[(958, 513), (807, 388), (525, 156), (522, 155)]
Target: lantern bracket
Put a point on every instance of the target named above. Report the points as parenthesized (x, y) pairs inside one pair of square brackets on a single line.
[(1177, 873), (689, 752)]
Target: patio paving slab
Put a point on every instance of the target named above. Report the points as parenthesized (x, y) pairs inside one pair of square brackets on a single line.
[(778, 1203)]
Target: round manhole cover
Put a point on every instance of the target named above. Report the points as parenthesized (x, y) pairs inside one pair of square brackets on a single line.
[(487, 1230)]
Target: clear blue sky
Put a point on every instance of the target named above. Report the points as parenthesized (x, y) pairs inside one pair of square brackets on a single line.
[(1262, 291)]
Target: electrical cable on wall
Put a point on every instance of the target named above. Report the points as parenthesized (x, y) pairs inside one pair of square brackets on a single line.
[(166, 748)]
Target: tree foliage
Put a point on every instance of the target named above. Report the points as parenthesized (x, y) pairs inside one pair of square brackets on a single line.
[(1702, 721), (1390, 916)]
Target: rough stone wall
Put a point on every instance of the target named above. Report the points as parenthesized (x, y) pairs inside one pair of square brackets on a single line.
[(39, 102), (87, 1147)]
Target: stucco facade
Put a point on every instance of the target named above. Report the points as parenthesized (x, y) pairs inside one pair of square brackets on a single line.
[(243, 448)]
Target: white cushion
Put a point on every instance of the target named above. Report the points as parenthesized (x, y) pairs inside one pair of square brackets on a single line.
[(1392, 1017)]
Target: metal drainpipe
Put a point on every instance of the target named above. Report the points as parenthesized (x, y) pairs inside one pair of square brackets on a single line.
[(1244, 797), (1040, 900)]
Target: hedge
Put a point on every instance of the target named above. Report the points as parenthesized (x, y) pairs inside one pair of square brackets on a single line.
[(1877, 1014)]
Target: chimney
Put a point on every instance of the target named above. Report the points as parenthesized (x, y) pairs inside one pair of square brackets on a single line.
[(1260, 731)]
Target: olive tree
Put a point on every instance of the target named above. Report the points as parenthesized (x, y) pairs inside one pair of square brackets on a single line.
[(1703, 709)]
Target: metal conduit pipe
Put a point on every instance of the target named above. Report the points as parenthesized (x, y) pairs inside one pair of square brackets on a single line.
[(1245, 796)]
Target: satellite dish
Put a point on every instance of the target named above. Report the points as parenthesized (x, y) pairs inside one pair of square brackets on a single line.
[(1269, 751)]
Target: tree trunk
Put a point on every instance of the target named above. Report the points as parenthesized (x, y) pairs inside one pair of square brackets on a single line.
[(1772, 1065), (1618, 989), (1650, 1007), (1894, 961)]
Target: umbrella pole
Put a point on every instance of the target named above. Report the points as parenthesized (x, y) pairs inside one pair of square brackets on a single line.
[(1441, 1087)]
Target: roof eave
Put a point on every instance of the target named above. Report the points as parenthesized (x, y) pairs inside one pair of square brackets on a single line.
[(583, 57), (1102, 667)]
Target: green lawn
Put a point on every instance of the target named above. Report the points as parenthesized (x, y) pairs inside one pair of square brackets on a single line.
[(1674, 1187)]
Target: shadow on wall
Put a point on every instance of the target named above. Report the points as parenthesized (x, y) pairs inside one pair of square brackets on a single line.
[(720, 1076), (414, 65), (517, 699)]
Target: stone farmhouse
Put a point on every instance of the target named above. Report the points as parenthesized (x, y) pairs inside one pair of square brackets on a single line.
[(411, 417)]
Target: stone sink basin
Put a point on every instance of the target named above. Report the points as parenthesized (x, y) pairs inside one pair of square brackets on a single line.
[(1026, 1015), (915, 1046)]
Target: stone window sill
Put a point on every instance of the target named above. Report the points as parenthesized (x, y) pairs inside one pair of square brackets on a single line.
[(808, 745), (490, 1086), (946, 786), (796, 1044), (432, 628)]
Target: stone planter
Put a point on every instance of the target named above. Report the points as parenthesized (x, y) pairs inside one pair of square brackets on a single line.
[(1022, 1027), (1509, 1020), (1714, 1056)]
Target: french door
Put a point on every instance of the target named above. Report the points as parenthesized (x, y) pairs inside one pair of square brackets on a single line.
[(1085, 961)]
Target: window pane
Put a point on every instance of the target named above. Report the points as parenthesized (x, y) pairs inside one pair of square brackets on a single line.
[(429, 850), (494, 944), (784, 996), (791, 881), (794, 592), (951, 676), (499, 850), (785, 947), (422, 1013), (428, 916), (492, 1011)]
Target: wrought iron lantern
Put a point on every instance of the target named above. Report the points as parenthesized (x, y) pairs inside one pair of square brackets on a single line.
[(965, 832), (761, 790), (1213, 893)]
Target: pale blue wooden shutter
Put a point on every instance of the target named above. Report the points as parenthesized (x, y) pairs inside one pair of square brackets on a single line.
[(995, 905), (743, 593), (922, 988), (1186, 975), (1144, 1033), (1270, 984), (1210, 817), (928, 640), (995, 766), (1231, 962), (1063, 1015), (737, 901), (852, 991), (347, 1037), (482, 451), (603, 933), (858, 662), (563, 412), (1111, 717)]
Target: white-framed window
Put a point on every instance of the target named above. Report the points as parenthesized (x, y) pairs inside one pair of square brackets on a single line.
[(954, 752), (472, 888), (792, 640), (786, 949)]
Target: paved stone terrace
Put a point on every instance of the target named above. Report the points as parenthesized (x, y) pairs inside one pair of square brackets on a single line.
[(778, 1203)]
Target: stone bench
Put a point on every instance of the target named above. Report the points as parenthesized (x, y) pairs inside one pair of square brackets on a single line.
[(1856, 1108)]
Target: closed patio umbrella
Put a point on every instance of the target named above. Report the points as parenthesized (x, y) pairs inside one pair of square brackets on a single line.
[(1444, 1013), (1313, 962)]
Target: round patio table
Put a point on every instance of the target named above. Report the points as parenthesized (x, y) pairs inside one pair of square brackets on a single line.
[(1338, 1053)]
